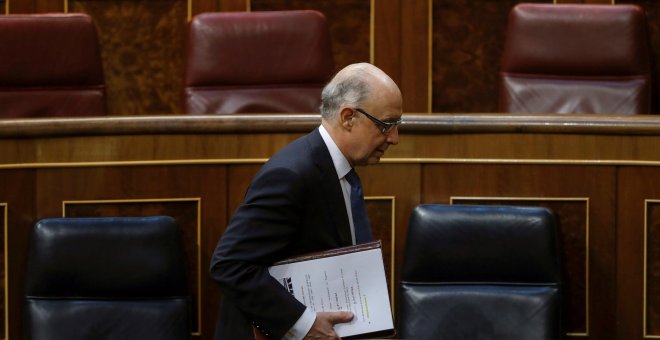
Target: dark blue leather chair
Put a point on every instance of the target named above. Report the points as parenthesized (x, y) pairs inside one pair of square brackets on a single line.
[(481, 272), (106, 278)]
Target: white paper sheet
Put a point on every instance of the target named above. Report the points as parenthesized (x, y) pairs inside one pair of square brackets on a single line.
[(354, 281)]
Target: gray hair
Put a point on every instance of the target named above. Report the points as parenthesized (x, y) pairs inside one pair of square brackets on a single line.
[(350, 89)]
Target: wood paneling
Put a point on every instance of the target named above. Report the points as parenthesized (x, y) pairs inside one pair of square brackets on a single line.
[(415, 75), (3, 273), (652, 269), (21, 215), (34, 6), (200, 6), (402, 182), (468, 37), (380, 211), (595, 172), (386, 41), (638, 193), (142, 52)]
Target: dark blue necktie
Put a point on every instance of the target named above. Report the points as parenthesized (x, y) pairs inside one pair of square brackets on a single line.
[(360, 220)]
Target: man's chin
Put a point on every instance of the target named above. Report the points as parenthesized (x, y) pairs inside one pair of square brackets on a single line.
[(373, 160)]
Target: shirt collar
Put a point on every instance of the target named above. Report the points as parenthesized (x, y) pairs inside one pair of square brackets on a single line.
[(341, 163)]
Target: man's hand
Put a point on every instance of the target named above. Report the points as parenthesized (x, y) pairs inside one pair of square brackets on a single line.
[(323, 327)]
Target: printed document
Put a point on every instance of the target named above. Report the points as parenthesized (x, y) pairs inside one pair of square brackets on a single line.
[(353, 281)]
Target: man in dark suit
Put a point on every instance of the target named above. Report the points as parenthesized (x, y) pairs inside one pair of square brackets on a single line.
[(299, 202)]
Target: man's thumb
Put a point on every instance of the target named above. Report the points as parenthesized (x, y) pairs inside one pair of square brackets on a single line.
[(341, 317)]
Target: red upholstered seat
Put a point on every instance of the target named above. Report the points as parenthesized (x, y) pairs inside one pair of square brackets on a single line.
[(50, 65), (247, 62), (576, 59)]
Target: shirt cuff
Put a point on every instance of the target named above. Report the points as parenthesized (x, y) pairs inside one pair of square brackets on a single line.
[(302, 326)]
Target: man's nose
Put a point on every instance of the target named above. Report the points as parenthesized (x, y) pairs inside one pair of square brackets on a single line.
[(393, 136)]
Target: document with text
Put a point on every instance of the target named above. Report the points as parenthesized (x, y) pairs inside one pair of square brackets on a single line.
[(351, 279)]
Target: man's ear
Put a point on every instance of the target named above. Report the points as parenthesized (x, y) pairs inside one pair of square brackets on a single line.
[(346, 116)]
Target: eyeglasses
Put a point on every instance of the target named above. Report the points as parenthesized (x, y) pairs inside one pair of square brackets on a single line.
[(383, 126)]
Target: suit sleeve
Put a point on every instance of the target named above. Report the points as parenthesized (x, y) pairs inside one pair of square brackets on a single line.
[(260, 232)]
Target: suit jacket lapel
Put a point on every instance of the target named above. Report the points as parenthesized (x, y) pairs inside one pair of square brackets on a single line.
[(331, 189)]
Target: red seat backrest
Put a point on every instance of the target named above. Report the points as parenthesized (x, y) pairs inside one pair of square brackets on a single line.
[(247, 62), (576, 59), (50, 65)]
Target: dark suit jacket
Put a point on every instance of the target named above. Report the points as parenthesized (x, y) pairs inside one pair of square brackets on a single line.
[(294, 205)]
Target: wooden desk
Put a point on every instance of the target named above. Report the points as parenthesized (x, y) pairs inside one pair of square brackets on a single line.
[(601, 174)]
